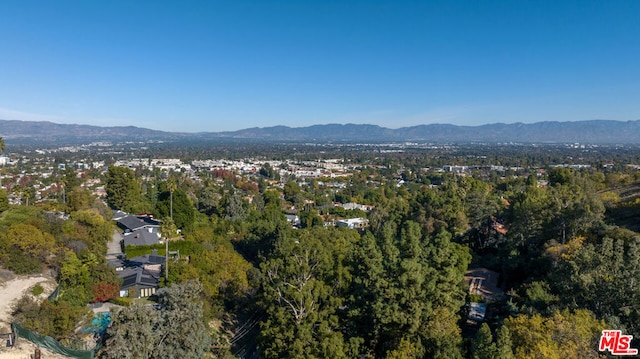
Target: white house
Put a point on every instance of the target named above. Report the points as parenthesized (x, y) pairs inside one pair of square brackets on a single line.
[(354, 223)]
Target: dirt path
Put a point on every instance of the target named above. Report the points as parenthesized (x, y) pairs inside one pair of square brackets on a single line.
[(10, 292), (25, 349), (13, 290)]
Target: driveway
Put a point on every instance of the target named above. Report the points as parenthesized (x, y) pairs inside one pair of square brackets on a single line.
[(114, 249)]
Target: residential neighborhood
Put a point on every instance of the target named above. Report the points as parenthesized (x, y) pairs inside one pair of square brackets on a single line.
[(475, 236)]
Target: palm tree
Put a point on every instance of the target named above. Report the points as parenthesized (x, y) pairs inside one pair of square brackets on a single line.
[(168, 230), (1, 150), (171, 186)]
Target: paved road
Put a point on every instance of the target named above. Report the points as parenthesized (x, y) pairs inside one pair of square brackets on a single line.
[(113, 247)]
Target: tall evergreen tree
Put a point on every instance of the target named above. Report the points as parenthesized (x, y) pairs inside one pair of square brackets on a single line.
[(122, 189), (483, 346), (177, 330)]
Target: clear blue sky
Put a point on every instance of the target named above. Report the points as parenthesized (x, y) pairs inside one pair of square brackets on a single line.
[(226, 65)]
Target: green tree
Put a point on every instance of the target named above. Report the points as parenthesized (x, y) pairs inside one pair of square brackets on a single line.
[(168, 231), (442, 334), (601, 275), (179, 203), (28, 196), (304, 280), (55, 319), (30, 241), (504, 346), (4, 200), (209, 201), (122, 189), (292, 192), (561, 176), (133, 333), (70, 178), (79, 198), (177, 330), (405, 350), (310, 218), (184, 333), (235, 208), (409, 286), (483, 346), (2, 147), (269, 172), (75, 279), (565, 334), (271, 198)]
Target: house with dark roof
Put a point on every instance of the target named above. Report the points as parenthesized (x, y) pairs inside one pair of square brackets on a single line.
[(142, 237), (147, 259), (131, 223), (139, 282), (118, 263), (117, 215), (138, 230), (140, 275), (293, 220)]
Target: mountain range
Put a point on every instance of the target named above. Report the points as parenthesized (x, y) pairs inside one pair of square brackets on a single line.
[(588, 132)]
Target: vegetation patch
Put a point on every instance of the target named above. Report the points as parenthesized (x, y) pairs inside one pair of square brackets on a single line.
[(37, 290)]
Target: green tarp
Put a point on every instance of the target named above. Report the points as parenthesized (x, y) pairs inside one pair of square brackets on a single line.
[(54, 295), (50, 343)]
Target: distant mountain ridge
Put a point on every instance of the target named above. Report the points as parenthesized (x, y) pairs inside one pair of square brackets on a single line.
[(44, 130), (593, 131)]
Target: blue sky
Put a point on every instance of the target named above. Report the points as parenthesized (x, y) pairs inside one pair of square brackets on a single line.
[(226, 65)]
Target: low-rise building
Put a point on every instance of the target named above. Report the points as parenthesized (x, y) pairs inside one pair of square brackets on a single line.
[(353, 223)]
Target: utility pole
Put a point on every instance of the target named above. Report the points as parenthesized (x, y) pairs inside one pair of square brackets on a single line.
[(171, 187)]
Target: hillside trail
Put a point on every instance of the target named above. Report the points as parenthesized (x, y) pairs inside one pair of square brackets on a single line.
[(13, 288)]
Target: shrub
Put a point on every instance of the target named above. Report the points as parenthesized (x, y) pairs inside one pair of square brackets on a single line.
[(123, 301), (21, 264), (102, 292), (37, 290)]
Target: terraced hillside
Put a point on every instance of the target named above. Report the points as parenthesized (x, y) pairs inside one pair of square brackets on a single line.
[(623, 205)]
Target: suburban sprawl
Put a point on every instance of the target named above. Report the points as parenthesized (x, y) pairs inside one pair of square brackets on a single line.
[(164, 249)]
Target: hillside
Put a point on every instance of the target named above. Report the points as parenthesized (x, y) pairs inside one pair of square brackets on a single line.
[(588, 132), (623, 208)]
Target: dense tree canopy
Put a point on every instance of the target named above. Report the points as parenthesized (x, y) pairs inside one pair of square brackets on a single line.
[(564, 242), (122, 189), (183, 209)]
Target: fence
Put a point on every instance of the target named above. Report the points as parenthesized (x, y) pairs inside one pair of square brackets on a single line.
[(51, 344)]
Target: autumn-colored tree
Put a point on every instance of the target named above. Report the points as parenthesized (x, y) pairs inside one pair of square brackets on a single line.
[(30, 241), (565, 334), (105, 291)]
